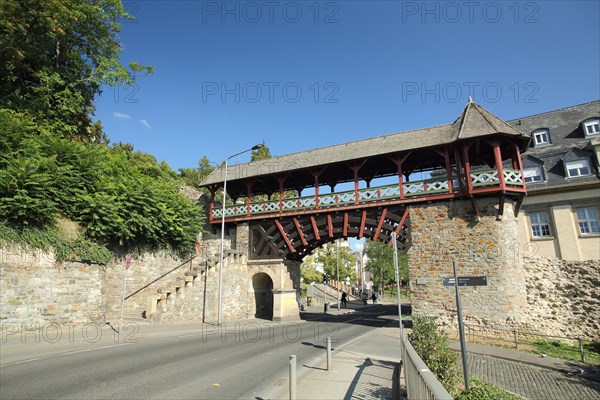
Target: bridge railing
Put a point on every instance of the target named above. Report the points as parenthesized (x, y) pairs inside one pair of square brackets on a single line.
[(479, 178), (421, 383)]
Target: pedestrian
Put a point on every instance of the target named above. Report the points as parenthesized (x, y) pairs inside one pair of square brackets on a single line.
[(344, 299), (374, 297), (365, 297)]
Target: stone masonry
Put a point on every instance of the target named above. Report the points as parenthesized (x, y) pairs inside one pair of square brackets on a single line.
[(563, 297), (36, 291), (482, 245)]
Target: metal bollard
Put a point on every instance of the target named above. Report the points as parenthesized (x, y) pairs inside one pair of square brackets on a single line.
[(293, 377), (328, 353)]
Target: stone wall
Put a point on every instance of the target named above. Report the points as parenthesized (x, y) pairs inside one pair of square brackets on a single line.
[(143, 270), (35, 290), (563, 297), (482, 245)]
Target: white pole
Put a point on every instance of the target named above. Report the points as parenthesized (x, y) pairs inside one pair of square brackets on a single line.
[(337, 267), (222, 259), (398, 283), (293, 377)]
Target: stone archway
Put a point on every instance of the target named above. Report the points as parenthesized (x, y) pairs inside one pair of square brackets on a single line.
[(262, 284)]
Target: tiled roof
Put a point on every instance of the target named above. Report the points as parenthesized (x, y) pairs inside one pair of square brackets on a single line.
[(474, 121), (568, 143)]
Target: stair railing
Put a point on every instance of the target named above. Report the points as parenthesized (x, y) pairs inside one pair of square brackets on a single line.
[(189, 260)]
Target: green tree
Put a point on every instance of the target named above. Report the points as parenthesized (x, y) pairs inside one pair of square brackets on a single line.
[(380, 262), (309, 272), (261, 154), (194, 176), (55, 56), (331, 256)]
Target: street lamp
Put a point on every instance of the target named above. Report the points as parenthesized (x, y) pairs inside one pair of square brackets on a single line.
[(220, 309)]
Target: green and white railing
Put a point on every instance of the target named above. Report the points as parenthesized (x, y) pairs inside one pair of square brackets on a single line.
[(479, 178)]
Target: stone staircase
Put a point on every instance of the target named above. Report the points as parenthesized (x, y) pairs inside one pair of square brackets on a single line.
[(180, 297)]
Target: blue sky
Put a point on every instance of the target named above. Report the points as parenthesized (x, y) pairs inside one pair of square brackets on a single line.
[(305, 74)]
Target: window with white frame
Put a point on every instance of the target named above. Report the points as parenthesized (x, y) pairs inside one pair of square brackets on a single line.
[(591, 127), (533, 174), (541, 137), (589, 223), (578, 168), (540, 224)]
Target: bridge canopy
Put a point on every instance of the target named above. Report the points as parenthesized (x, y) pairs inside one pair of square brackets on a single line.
[(474, 123)]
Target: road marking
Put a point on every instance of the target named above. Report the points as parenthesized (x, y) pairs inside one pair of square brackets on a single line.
[(67, 353)]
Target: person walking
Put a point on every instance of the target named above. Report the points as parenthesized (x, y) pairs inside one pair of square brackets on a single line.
[(344, 299), (374, 297)]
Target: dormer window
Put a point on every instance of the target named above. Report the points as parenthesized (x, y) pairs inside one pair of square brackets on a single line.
[(533, 174), (591, 127), (541, 137), (578, 168)]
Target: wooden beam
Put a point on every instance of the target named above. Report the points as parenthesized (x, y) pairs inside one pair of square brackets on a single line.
[(399, 227), (300, 233), (501, 204), (475, 209), (520, 163), (363, 220), (329, 225), (381, 219), (345, 230), (315, 229), (465, 153), (284, 236), (498, 162)]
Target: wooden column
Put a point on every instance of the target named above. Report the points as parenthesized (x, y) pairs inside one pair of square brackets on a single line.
[(519, 162), (355, 167), (249, 194), (465, 152), (459, 169), (399, 160), (316, 174), (498, 161), (281, 180)]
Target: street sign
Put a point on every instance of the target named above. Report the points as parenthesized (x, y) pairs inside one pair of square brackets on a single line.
[(467, 281)]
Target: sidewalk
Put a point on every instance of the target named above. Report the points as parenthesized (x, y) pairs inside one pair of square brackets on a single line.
[(362, 369)]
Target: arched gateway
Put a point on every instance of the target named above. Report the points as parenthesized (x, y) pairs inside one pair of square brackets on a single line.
[(448, 192)]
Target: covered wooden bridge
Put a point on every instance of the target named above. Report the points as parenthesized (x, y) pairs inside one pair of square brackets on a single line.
[(476, 155)]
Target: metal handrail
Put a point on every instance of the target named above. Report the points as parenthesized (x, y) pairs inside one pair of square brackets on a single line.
[(160, 277), (421, 383)]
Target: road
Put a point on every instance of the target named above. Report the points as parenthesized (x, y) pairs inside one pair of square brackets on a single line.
[(246, 359)]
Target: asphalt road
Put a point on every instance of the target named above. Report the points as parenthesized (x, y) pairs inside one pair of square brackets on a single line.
[(247, 359)]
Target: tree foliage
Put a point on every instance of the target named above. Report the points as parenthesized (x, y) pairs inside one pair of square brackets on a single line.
[(330, 256), (55, 56), (194, 176), (123, 198), (381, 262), (262, 153)]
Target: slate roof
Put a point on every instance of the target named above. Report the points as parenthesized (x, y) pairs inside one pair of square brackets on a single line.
[(567, 143), (473, 122)]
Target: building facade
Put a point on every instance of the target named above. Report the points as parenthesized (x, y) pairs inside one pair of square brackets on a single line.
[(559, 217)]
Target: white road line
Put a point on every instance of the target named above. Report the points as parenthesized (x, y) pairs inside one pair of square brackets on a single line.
[(64, 354)]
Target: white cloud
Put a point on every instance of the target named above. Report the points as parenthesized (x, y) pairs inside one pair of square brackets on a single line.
[(121, 116), (145, 123)]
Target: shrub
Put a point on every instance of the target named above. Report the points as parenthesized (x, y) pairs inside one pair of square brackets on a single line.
[(432, 346)]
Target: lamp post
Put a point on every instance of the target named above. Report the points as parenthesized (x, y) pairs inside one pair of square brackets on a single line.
[(222, 259), (337, 268)]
